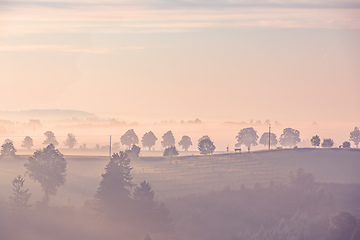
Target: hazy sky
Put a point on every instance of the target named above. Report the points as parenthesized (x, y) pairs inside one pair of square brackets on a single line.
[(212, 59)]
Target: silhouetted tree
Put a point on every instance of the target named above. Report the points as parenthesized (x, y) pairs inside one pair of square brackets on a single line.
[(205, 145), (70, 141), (346, 144), (355, 136), (185, 142), (342, 224), (113, 195), (315, 141), (50, 139), (20, 198), (290, 137), (247, 137), (48, 167), (133, 152), (148, 140), (129, 138), (27, 142), (327, 143), (154, 215), (264, 140), (170, 151), (8, 149), (168, 139)]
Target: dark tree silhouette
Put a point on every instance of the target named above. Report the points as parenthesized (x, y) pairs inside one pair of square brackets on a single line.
[(346, 144), (129, 138), (168, 139), (8, 149), (327, 143), (315, 141), (133, 152), (355, 136), (342, 224), (27, 142), (264, 140), (154, 215), (50, 139), (48, 167), (247, 137), (113, 195), (185, 142), (20, 198), (148, 140), (170, 151), (205, 145), (70, 141), (290, 137)]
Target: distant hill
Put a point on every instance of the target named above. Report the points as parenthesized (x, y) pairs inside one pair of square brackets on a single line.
[(45, 114)]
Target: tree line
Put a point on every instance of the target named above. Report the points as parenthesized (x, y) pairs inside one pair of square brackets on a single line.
[(246, 137)]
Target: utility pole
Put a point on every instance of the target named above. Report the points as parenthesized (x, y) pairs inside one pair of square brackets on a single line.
[(110, 148), (269, 134)]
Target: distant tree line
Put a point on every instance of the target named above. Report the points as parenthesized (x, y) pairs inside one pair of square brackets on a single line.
[(246, 137)]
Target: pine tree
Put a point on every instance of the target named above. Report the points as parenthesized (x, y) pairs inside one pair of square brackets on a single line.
[(113, 195), (20, 198)]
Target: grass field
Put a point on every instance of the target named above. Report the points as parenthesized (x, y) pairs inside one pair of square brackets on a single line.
[(178, 176)]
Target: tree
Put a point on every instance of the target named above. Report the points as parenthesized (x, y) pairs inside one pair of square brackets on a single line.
[(168, 139), (170, 151), (153, 214), (355, 136), (50, 139), (113, 195), (185, 142), (346, 144), (315, 141), (20, 198), (264, 140), (342, 224), (148, 140), (70, 141), (27, 142), (290, 137), (129, 138), (8, 149), (48, 167), (134, 151), (205, 145), (327, 143), (247, 137)]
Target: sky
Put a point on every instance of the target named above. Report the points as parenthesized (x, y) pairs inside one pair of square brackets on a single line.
[(235, 60)]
